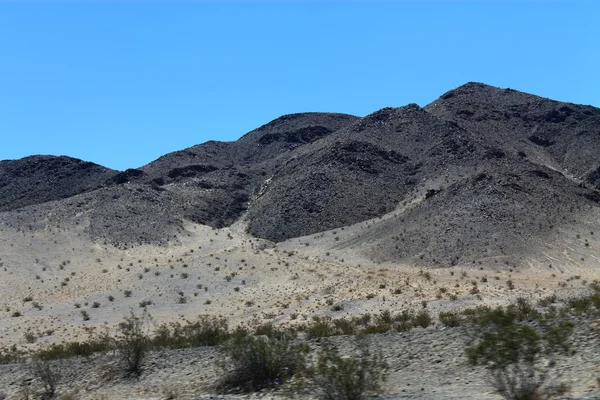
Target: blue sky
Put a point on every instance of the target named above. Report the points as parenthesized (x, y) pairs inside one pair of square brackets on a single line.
[(120, 83)]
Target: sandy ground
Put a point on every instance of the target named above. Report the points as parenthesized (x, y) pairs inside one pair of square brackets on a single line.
[(50, 278)]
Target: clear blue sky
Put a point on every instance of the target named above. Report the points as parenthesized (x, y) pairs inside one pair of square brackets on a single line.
[(120, 83)]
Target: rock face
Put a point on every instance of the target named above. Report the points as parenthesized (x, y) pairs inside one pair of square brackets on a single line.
[(481, 172), (37, 179)]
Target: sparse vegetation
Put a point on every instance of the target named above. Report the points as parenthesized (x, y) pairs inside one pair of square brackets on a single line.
[(255, 363), (133, 342), (345, 378), (48, 375), (511, 352), (205, 331)]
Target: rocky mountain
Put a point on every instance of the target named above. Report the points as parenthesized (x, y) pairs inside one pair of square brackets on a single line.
[(481, 173), (38, 179)]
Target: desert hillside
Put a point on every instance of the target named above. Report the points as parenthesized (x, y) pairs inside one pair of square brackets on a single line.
[(482, 197)]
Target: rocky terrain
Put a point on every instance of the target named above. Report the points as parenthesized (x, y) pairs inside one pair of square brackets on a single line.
[(422, 364), (499, 172), (479, 198), (38, 179)]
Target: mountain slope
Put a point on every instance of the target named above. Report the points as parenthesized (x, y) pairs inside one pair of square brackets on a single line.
[(473, 196), (559, 135), (480, 174), (37, 179)]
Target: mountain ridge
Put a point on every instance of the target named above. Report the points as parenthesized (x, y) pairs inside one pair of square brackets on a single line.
[(305, 173)]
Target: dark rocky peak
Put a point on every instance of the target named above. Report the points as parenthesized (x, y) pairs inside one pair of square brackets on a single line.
[(552, 133), (41, 178), (190, 162), (298, 128), (389, 117), (129, 175), (48, 163), (479, 102)]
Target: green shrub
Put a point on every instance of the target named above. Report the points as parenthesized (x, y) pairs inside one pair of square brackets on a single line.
[(450, 318), (48, 375), (318, 328), (272, 332), (384, 317), (10, 355), (345, 326), (580, 305), (254, 363), (547, 301), (345, 378), (374, 329), (55, 351), (205, 331), (485, 316), (133, 343), (522, 310), (511, 353), (422, 319)]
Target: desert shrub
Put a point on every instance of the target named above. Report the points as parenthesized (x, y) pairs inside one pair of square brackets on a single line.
[(145, 303), (404, 316), (450, 318), (318, 328), (205, 331), (384, 317), (522, 310), (511, 353), (556, 336), (422, 319), (48, 375), (30, 337), (132, 342), (56, 351), (547, 301), (374, 329), (272, 332), (580, 305), (169, 336), (10, 355), (484, 315), (345, 326), (334, 377), (254, 363)]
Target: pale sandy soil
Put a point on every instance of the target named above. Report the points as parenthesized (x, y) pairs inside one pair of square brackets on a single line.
[(247, 280)]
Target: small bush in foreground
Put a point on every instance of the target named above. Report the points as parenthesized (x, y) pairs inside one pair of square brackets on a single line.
[(133, 342), (48, 375), (335, 377), (511, 353), (255, 363)]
